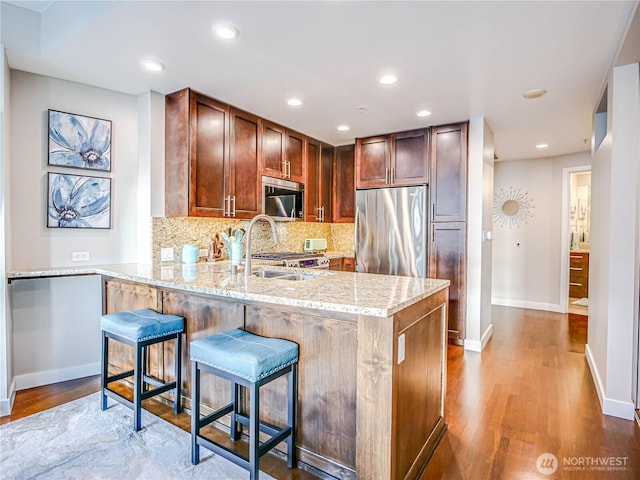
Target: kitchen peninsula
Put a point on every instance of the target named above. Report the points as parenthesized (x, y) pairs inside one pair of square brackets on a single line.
[(372, 352)]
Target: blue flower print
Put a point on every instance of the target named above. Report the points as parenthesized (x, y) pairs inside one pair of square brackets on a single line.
[(71, 145), (76, 201)]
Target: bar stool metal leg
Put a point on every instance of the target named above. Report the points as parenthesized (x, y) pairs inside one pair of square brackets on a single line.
[(195, 413), (291, 414), (138, 376), (178, 375), (105, 370), (254, 431), (234, 431)]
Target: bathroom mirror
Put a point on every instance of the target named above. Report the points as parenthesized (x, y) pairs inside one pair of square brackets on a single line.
[(510, 207)]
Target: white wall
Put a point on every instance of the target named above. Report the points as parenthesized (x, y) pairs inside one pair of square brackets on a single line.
[(615, 255), (479, 223), (527, 259), (65, 309), (6, 368)]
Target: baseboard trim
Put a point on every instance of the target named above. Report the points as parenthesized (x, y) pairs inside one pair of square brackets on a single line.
[(549, 307), (478, 346), (38, 379), (609, 406), (6, 404)]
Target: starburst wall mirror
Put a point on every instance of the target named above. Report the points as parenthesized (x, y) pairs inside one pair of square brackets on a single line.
[(512, 207)]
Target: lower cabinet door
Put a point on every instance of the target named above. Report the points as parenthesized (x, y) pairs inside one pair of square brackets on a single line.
[(447, 261)]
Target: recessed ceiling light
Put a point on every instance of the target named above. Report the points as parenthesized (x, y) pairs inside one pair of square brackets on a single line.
[(423, 113), (153, 65), (535, 93), (388, 79), (343, 128), (542, 145), (294, 102), (226, 31)]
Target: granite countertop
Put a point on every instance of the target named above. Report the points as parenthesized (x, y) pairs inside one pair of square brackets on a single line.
[(355, 293)]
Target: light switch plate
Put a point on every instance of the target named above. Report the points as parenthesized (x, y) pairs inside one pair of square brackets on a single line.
[(166, 254), (79, 256), (401, 343)]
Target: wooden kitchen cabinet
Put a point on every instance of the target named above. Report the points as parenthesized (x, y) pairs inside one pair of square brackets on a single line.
[(318, 181), (344, 191), (398, 159), (578, 274), (448, 175), (344, 264), (211, 158), (294, 156), (372, 161), (244, 160), (448, 261), (283, 152), (273, 142)]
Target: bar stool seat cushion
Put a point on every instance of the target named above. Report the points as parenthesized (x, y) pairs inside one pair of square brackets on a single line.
[(142, 324), (244, 354)]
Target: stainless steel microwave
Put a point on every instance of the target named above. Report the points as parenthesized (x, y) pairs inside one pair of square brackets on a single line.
[(282, 199)]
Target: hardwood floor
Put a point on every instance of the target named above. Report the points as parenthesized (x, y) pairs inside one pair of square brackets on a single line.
[(530, 392)]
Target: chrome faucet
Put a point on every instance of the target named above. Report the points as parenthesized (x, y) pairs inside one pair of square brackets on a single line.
[(274, 233)]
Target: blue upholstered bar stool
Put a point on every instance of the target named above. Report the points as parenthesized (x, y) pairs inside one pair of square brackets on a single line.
[(139, 329), (249, 361)]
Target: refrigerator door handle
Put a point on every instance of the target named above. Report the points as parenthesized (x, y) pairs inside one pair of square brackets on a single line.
[(355, 238)]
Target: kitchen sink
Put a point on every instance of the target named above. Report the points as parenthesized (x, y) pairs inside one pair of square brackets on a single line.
[(284, 275)]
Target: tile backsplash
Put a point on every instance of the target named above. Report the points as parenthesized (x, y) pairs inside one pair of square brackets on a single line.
[(174, 232)]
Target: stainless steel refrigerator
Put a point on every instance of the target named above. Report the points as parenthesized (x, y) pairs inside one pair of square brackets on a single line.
[(391, 228)]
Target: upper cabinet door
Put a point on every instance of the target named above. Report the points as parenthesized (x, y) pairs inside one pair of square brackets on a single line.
[(312, 183), (326, 181), (294, 156), (273, 145), (410, 158), (344, 191), (448, 185), (244, 156), (209, 131), (373, 162)]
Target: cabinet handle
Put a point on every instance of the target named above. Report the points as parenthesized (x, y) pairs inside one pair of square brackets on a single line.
[(575, 268), (288, 169), (392, 177), (575, 284), (322, 212), (386, 176), (579, 257), (433, 234), (433, 211), (233, 199), (225, 209)]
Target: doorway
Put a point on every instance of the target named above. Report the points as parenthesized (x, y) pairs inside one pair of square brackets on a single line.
[(576, 232)]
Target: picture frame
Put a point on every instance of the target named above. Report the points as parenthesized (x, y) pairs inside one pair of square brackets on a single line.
[(79, 141), (76, 201)]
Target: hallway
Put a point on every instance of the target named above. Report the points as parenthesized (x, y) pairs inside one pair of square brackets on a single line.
[(530, 392)]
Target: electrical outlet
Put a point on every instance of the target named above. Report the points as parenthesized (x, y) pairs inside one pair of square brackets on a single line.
[(166, 255), (79, 256)]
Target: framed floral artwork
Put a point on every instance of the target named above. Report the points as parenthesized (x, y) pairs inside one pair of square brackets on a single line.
[(78, 141), (76, 201)]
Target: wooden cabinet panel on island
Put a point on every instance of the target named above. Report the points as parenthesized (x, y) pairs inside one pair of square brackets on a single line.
[(397, 159), (318, 182), (211, 158), (344, 191), (120, 296)]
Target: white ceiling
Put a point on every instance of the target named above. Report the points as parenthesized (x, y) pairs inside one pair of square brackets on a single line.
[(456, 59)]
